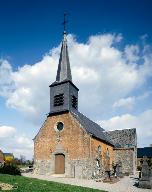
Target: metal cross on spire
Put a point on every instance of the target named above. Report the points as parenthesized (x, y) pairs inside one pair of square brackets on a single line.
[(64, 22)]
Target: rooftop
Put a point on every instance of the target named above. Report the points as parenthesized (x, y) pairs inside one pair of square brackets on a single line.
[(91, 127), (125, 138), (146, 151)]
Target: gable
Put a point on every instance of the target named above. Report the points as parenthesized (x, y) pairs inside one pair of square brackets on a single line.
[(125, 138), (88, 125), (50, 122)]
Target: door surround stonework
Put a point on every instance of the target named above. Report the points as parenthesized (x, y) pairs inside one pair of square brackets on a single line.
[(59, 150)]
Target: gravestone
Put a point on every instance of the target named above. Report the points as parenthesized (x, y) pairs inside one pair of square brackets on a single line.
[(114, 166), (146, 175), (119, 170), (108, 178), (107, 170)]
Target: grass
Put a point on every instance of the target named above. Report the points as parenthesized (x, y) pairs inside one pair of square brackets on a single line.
[(25, 184)]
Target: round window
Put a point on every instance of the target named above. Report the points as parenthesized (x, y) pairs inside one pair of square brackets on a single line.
[(60, 126)]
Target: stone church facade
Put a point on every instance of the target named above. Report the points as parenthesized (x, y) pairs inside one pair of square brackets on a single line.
[(71, 144)]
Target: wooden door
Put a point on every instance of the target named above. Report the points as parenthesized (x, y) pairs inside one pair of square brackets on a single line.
[(59, 164)]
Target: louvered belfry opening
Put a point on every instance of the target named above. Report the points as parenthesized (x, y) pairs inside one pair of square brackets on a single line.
[(74, 102), (58, 100)]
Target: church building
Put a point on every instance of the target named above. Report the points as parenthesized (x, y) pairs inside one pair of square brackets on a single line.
[(71, 144)]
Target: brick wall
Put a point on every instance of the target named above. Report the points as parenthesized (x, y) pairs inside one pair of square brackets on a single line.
[(79, 147), (74, 140), (104, 147)]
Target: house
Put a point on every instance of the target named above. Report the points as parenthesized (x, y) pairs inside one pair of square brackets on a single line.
[(8, 157), (141, 152), (1, 157), (71, 144)]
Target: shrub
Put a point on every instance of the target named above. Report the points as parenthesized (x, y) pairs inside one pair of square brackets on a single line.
[(10, 169)]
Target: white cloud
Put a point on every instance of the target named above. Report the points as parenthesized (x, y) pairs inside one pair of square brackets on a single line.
[(24, 141), (125, 102), (129, 102), (7, 131), (132, 53), (12, 142), (142, 122), (105, 75), (6, 83), (31, 94), (99, 69)]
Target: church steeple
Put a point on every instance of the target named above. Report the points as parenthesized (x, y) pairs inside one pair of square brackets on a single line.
[(63, 93), (64, 71)]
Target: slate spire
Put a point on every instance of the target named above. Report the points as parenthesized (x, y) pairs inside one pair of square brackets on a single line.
[(64, 71), (63, 93)]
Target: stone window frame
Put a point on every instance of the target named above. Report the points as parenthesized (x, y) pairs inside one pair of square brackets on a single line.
[(55, 126)]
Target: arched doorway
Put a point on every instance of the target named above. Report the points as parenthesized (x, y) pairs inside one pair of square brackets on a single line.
[(59, 163)]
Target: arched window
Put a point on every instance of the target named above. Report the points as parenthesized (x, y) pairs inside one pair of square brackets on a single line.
[(107, 152), (99, 149)]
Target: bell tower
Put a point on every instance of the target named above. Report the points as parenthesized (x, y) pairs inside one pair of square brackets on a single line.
[(63, 93)]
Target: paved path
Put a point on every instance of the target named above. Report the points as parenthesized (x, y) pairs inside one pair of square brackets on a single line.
[(125, 184)]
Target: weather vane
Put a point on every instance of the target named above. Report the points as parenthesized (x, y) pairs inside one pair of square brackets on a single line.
[(64, 22)]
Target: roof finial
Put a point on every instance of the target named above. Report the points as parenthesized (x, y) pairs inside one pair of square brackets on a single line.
[(64, 71), (64, 23)]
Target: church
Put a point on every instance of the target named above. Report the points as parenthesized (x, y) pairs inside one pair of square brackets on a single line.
[(72, 145)]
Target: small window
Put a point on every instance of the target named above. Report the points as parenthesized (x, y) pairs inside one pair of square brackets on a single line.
[(58, 100), (98, 163), (107, 153), (74, 102), (60, 126), (99, 149)]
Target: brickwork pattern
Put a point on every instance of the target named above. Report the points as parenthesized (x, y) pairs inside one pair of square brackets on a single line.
[(79, 148)]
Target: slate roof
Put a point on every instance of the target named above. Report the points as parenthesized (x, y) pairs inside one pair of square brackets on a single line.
[(146, 151), (64, 71), (8, 154), (91, 127), (125, 138)]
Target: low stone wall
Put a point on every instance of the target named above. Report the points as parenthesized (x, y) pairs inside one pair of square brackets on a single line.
[(42, 167), (81, 169)]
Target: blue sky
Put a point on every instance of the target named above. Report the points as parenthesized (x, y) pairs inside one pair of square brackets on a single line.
[(30, 28), (118, 32)]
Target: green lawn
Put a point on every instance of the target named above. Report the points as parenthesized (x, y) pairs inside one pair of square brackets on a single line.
[(25, 184)]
